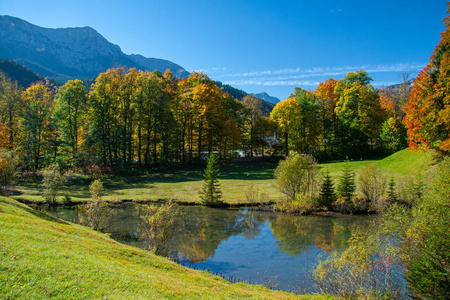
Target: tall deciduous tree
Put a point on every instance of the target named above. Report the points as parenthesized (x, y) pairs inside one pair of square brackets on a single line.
[(10, 107), (71, 101), (285, 114), (327, 99), (359, 113), (253, 112), (307, 126), (38, 107)]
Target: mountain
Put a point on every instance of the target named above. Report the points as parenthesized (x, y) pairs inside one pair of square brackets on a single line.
[(398, 88), (16, 72), (266, 97), (68, 53), (238, 94)]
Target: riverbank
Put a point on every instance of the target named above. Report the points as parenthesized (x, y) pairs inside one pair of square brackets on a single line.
[(44, 257)]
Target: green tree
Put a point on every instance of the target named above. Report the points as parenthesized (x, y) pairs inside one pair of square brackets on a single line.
[(327, 193), (359, 114), (346, 187), (391, 192), (393, 134), (10, 108), (211, 193), (70, 108), (307, 125)]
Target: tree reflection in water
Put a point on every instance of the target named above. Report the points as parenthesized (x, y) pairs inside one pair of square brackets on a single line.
[(201, 230), (296, 234), (251, 245)]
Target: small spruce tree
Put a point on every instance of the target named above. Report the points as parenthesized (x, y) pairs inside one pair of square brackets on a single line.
[(391, 194), (346, 187), (327, 194), (211, 194)]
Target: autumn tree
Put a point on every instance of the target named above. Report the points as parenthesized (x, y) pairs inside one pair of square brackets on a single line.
[(36, 118), (307, 122), (327, 99), (285, 114), (253, 112), (428, 108)]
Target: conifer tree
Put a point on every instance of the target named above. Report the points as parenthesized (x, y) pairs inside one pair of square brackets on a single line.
[(346, 187), (391, 194), (327, 194), (211, 194)]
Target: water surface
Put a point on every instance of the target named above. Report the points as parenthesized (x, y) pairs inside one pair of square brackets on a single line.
[(277, 250)]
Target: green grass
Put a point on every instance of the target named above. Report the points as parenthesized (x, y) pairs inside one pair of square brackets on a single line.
[(183, 185), (43, 257)]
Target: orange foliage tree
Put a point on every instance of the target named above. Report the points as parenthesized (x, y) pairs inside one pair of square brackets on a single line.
[(428, 109)]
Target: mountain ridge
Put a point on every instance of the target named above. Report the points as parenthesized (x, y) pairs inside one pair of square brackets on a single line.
[(68, 53), (266, 97)]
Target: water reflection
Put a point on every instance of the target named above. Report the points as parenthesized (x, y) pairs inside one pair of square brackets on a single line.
[(201, 230), (256, 246), (296, 234)]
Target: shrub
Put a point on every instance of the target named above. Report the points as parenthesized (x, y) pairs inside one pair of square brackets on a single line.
[(304, 204), (297, 175), (98, 213), (53, 180), (410, 190), (253, 195), (368, 269), (157, 227), (96, 190), (66, 199), (372, 184)]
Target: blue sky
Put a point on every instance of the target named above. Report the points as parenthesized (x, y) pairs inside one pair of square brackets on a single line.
[(257, 46)]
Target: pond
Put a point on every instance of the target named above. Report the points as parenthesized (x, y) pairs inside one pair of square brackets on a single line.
[(277, 250)]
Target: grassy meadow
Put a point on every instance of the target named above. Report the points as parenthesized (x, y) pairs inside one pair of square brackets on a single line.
[(184, 185)]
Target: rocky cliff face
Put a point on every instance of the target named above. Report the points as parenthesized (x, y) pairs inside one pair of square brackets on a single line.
[(67, 53)]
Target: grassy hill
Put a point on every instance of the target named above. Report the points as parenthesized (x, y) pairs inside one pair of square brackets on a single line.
[(44, 257)]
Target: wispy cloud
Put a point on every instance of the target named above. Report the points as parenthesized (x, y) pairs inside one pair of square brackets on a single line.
[(308, 77)]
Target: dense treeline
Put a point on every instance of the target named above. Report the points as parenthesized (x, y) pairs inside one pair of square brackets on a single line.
[(135, 118), (341, 118)]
